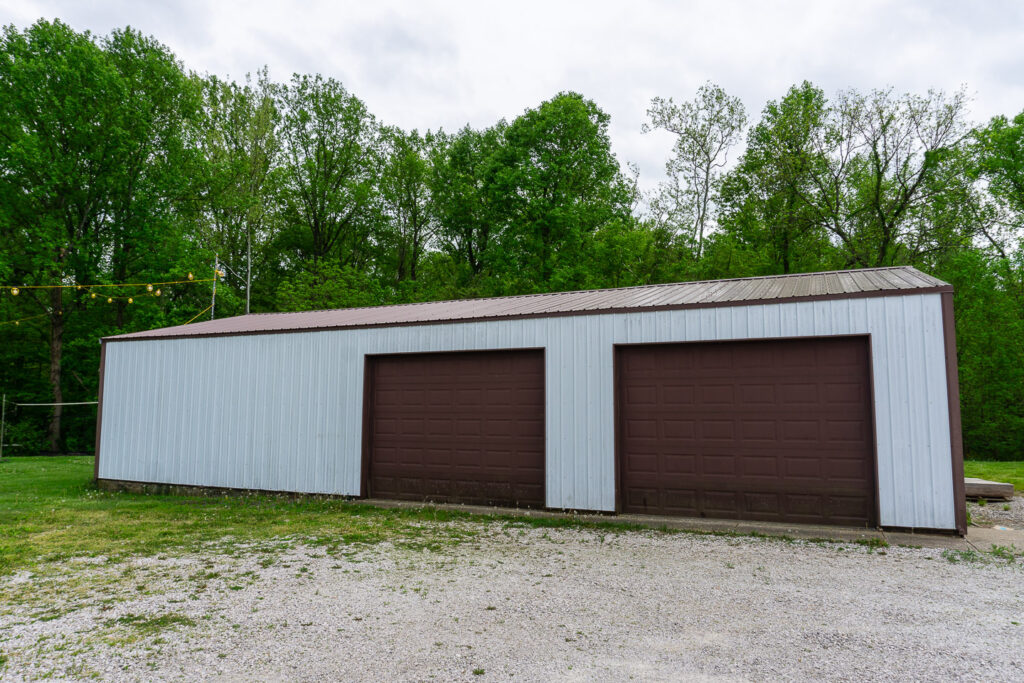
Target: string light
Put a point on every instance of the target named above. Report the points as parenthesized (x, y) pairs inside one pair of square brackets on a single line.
[(150, 288), (15, 290), (19, 321)]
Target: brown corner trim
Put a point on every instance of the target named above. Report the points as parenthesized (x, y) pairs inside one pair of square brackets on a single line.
[(618, 451), (955, 428), (557, 314), (367, 445), (99, 411)]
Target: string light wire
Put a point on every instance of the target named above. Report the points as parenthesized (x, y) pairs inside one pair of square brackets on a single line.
[(21, 320), (198, 314), (123, 284), (16, 290)]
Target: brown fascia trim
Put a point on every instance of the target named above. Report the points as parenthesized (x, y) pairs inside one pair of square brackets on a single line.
[(953, 397), (557, 314), (99, 411)]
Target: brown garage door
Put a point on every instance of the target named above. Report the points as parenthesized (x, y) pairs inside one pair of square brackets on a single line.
[(458, 427), (775, 430)]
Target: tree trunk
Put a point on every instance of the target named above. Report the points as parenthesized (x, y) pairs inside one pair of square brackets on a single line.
[(56, 350)]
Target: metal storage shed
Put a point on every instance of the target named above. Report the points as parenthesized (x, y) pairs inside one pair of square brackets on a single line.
[(823, 397)]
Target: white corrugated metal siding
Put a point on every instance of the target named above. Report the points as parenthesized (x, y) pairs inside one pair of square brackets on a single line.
[(284, 411)]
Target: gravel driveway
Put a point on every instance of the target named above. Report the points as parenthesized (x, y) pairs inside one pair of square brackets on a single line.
[(526, 604), (1008, 513)]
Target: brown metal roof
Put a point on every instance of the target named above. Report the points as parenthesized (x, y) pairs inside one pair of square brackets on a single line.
[(831, 285)]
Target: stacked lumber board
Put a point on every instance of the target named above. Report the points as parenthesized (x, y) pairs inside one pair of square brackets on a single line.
[(982, 488)]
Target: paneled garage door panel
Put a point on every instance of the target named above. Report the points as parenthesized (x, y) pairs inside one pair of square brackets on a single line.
[(458, 427), (774, 430)]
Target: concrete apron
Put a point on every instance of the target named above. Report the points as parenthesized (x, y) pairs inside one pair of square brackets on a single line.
[(978, 538)]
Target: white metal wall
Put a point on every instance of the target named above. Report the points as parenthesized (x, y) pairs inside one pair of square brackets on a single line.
[(284, 411)]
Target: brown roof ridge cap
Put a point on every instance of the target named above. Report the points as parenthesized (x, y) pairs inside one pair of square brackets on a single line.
[(599, 289)]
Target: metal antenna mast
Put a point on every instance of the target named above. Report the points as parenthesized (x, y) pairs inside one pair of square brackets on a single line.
[(216, 272)]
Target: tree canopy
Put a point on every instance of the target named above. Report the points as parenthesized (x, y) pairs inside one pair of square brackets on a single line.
[(119, 169)]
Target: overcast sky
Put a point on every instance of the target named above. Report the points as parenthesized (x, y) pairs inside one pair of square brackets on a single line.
[(425, 65)]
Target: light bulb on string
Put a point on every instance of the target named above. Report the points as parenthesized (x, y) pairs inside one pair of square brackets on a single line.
[(92, 295), (190, 276), (149, 288), (110, 300), (15, 291), (131, 300), (157, 292)]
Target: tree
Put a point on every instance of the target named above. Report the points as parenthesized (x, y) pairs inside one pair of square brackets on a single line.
[(706, 129), (404, 189), (998, 153), (764, 200), (886, 157), (462, 167), (556, 182), (330, 170), (990, 332), (93, 167), (240, 142)]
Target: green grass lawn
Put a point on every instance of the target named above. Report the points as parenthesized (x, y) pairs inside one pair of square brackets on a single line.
[(994, 470), (50, 510)]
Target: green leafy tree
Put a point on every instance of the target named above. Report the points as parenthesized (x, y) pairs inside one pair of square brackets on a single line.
[(406, 202), (886, 157), (94, 169), (705, 129), (462, 168), (990, 332), (556, 183), (772, 223), (330, 172), (240, 141)]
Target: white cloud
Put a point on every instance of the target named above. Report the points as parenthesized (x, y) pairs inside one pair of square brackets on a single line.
[(443, 64)]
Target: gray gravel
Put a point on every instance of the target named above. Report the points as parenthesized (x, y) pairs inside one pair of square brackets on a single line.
[(994, 512), (526, 604)]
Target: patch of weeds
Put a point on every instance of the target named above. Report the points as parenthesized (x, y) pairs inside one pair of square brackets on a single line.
[(873, 544), (478, 672), (146, 625), (1010, 553), (982, 502), (490, 608), (3, 661), (956, 556), (1006, 507)]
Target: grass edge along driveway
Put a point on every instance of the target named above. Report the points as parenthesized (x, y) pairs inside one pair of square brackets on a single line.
[(51, 511)]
